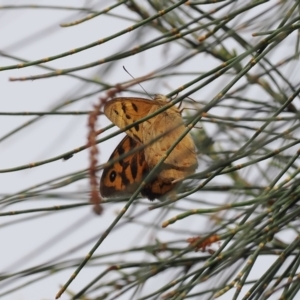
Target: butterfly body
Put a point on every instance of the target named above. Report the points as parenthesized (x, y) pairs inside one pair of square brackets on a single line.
[(158, 134)]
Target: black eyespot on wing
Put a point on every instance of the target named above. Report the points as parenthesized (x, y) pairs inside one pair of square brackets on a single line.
[(112, 176), (134, 107), (116, 112)]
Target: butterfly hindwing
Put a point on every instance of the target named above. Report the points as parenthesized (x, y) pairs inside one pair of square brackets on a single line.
[(169, 125)]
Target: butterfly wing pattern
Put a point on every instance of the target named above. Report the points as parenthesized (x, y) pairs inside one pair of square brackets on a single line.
[(125, 111), (158, 134), (125, 175)]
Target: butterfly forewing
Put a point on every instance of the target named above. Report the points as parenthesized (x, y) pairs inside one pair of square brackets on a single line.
[(125, 111)]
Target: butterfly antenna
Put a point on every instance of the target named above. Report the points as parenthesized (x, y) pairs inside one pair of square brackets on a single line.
[(137, 82)]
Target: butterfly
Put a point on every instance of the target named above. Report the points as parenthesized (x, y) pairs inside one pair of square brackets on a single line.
[(158, 134)]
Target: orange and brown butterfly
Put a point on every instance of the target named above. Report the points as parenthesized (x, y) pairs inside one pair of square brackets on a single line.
[(158, 134)]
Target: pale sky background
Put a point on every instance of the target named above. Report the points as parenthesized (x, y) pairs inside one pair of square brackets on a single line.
[(32, 34)]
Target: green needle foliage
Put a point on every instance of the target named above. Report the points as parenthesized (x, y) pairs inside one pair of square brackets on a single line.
[(231, 230)]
